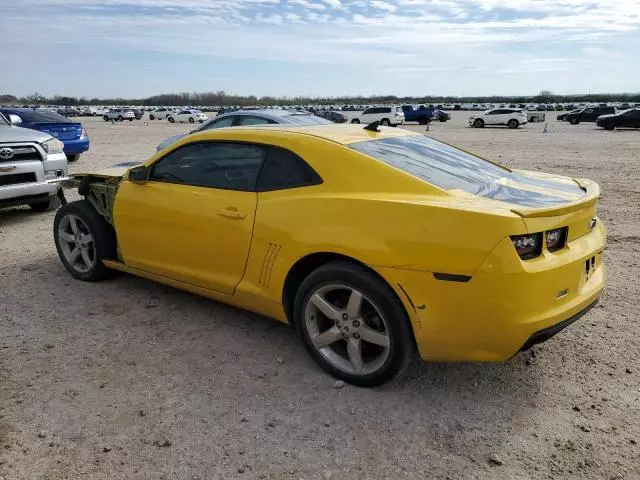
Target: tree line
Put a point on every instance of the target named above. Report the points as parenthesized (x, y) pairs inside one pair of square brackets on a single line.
[(221, 99)]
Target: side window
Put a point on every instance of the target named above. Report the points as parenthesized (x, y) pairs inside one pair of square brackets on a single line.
[(368, 111), (220, 123), (284, 169), (589, 110), (252, 120), (228, 166)]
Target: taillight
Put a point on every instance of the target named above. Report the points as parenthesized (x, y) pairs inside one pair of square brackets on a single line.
[(528, 246), (83, 133), (556, 239)]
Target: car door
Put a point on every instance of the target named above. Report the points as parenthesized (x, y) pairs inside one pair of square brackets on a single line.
[(192, 219), (493, 117), (630, 118)]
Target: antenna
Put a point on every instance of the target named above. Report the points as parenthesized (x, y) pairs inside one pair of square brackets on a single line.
[(373, 126)]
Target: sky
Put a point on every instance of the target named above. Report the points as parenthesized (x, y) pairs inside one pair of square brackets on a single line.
[(138, 48)]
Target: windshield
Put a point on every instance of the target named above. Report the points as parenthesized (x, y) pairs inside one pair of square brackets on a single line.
[(449, 168)]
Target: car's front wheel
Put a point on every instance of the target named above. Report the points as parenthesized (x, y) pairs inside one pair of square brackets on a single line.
[(353, 325), (513, 123), (171, 120), (610, 127), (574, 121), (355, 120), (105, 118), (385, 122), (83, 239), (479, 123), (151, 117), (191, 120)]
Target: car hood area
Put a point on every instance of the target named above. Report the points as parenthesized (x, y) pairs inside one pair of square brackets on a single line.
[(11, 134)]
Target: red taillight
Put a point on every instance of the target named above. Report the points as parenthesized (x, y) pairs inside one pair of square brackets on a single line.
[(556, 239), (83, 133), (528, 246)]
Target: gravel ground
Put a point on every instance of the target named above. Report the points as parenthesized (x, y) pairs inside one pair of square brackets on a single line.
[(128, 379)]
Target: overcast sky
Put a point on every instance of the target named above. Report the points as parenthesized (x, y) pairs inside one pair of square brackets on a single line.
[(137, 48)]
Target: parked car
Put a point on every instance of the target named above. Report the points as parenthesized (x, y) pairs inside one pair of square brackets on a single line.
[(187, 116), (387, 116), (626, 119), (119, 115), (138, 113), (161, 113), (309, 226), (563, 116), (499, 116), (238, 118), (72, 134), (441, 116), (32, 163), (423, 114), (535, 116), (589, 114), (333, 116)]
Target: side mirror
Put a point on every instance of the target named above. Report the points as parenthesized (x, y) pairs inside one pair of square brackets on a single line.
[(139, 174), (15, 119)]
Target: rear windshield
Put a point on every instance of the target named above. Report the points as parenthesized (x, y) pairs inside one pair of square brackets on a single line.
[(449, 168), (38, 116), (306, 119)]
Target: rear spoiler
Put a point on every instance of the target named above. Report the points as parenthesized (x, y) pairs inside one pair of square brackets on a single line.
[(592, 190)]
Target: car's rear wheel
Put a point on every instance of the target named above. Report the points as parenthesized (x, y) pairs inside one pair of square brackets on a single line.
[(151, 117), (83, 239), (513, 123), (48, 205), (191, 120), (479, 123), (353, 325), (355, 120), (171, 120), (385, 122), (120, 118)]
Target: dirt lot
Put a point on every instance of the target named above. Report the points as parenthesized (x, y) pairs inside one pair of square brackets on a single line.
[(131, 380)]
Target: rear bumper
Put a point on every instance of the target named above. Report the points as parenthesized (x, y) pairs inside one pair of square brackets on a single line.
[(72, 147), (501, 308)]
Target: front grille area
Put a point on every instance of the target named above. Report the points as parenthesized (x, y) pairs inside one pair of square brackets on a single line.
[(21, 153), (16, 178)]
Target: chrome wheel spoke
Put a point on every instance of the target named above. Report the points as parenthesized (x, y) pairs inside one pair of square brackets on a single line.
[(325, 307), (355, 304), (354, 349), (86, 258), (328, 337), (369, 335), (74, 224), (67, 237), (73, 255), (86, 239)]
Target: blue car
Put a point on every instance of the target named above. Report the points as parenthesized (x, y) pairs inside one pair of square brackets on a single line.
[(72, 134)]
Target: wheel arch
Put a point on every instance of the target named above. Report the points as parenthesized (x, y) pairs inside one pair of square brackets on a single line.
[(303, 267)]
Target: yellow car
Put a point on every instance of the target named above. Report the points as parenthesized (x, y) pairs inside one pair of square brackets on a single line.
[(370, 242)]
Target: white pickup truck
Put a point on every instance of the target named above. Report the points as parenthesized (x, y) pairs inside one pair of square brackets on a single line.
[(32, 165)]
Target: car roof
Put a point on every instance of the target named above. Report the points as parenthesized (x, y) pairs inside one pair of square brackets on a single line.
[(344, 134), (271, 114)]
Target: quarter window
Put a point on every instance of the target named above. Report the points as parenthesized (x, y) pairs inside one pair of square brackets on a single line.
[(284, 169), (227, 166)]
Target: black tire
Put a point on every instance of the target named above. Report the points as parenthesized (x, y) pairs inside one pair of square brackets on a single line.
[(120, 119), (513, 123), (533, 119), (48, 205), (104, 239), (131, 119), (610, 127), (442, 119), (355, 120), (171, 119), (398, 327), (478, 123), (574, 121), (385, 122), (151, 117), (191, 120), (105, 118), (73, 157)]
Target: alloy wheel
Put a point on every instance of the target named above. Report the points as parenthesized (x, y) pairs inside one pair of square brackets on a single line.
[(77, 243)]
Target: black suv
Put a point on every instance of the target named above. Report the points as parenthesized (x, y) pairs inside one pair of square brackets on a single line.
[(589, 114), (626, 119)]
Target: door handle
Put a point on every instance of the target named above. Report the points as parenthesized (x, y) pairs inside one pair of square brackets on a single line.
[(233, 213)]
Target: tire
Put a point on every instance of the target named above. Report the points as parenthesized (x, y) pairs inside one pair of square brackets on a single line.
[(478, 123), (533, 119), (120, 118), (151, 117), (610, 127), (191, 120), (88, 223), (105, 118), (513, 123), (574, 121), (385, 122), (50, 204), (171, 119), (380, 315), (442, 120), (73, 157), (355, 120)]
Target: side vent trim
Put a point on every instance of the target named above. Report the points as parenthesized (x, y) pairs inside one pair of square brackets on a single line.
[(267, 264)]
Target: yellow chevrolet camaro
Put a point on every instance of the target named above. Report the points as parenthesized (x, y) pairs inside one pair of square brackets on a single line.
[(370, 242)]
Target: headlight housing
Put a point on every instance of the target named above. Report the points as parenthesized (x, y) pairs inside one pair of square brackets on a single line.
[(53, 145)]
